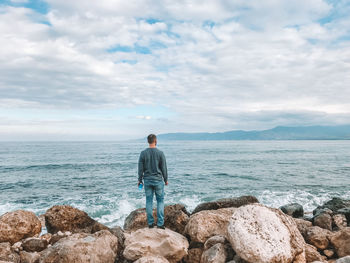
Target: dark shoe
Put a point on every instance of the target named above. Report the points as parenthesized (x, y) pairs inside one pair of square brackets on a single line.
[(151, 226), (161, 227)]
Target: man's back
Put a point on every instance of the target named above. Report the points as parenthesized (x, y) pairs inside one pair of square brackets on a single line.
[(152, 165)]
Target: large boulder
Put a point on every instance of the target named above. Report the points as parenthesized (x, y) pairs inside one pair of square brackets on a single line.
[(318, 237), (215, 254), (100, 247), (7, 254), (323, 220), (334, 205), (67, 218), (208, 223), (34, 244), (340, 221), (226, 203), (343, 260), (341, 242), (154, 241), (294, 210), (265, 235), (175, 218), (17, 225), (302, 225)]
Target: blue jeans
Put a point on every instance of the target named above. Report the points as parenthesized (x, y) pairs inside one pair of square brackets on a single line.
[(151, 188)]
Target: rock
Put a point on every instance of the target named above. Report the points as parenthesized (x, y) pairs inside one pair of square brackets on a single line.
[(318, 237), (341, 242), (214, 240), (17, 246), (18, 225), (34, 244), (47, 237), (208, 223), (152, 259), (340, 221), (312, 254), (175, 218), (343, 260), (334, 204), (261, 234), (67, 218), (302, 225), (27, 257), (226, 203), (323, 220), (294, 210), (345, 211), (153, 241), (6, 253), (215, 254), (328, 253), (119, 233), (100, 247), (56, 237), (194, 255)]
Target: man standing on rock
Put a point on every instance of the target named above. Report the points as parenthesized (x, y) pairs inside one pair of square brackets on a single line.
[(153, 171)]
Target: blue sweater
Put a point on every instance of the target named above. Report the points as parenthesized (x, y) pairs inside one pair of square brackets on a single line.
[(152, 165)]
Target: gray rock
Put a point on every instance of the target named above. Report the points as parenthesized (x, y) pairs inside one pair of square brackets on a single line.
[(334, 204), (215, 254), (323, 220), (343, 260), (214, 240), (34, 244), (226, 203), (294, 210)]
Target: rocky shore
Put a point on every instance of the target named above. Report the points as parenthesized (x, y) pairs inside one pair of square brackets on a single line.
[(234, 230)]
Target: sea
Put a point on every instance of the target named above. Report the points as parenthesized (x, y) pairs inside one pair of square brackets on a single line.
[(101, 177)]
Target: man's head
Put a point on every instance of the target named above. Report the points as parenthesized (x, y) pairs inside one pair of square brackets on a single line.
[(152, 139)]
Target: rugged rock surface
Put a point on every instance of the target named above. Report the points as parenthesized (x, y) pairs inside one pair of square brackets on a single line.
[(18, 225), (302, 225), (334, 205), (214, 240), (34, 244), (27, 257), (215, 254), (312, 254), (175, 218), (294, 210), (152, 259), (208, 223), (343, 260), (226, 203), (145, 241), (340, 221), (7, 254), (261, 234), (317, 237), (323, 220), (67, 218), (119, 233), (100, 247), (194, 255), (341, 242)]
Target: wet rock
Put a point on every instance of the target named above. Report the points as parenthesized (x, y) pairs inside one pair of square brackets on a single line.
[(194, 255), (7, 254), (226, 203), (341, 242), (208, 223), (340, 221), (146, 241), (334, 205), (294, 210), (175, 218), (214, 240), (261, 234), (152, 259), (318, 237), (343, 260), (17, 225), (312, 254), (215, 254), (323, 220), (27, 257), (34, 244), (100, 247), (67, 218), (302, 225)]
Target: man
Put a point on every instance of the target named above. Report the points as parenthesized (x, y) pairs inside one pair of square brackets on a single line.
[(153, 170)]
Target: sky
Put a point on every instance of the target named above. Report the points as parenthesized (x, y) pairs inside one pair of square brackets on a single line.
[(115, 69)]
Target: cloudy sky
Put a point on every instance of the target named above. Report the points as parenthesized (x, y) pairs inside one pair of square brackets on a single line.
[(111, 69)]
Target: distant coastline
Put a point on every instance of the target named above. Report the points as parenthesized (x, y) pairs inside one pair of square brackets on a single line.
[(340, 132)]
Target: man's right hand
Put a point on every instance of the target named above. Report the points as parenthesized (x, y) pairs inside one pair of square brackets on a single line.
[(166, 183)]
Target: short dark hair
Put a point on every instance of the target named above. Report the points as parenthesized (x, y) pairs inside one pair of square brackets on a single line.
[(151, 138)]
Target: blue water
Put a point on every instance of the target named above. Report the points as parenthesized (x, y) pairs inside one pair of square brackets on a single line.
[(101, 177)]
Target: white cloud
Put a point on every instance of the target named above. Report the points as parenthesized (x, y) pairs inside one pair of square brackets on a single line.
[(208, 63)]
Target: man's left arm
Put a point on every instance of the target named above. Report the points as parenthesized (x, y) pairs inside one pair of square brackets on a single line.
[(140, 170)]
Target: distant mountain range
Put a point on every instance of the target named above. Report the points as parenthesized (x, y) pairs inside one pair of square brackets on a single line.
[(341, 132)]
